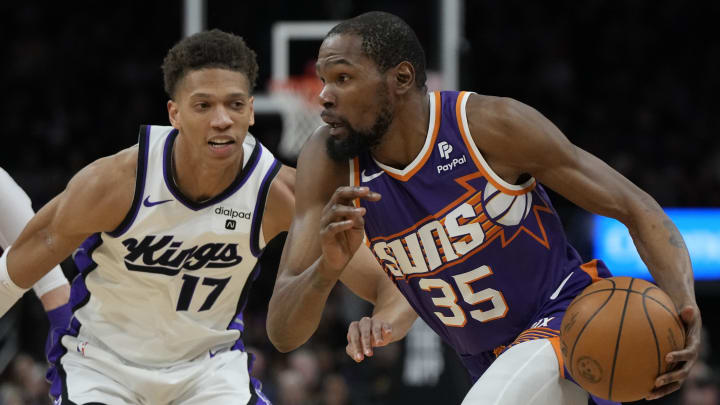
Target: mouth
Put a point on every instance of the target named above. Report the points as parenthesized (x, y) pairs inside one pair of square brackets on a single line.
[(219, 143), (335, 123)]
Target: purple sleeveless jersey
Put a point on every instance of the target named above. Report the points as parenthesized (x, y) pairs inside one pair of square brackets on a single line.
[(485, 263)]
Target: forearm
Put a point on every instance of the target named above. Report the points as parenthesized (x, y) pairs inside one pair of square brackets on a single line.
[(56, 297), (296, 307), (662, 248), (392, 307)]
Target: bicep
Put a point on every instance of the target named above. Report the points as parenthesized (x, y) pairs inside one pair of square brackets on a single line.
[(95, 200), (523, 139), (593, 185)]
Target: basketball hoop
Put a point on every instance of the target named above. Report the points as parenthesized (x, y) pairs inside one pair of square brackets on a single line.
[(300, 110)]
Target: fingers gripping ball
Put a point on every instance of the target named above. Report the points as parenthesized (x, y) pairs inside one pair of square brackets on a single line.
[(615, 336)]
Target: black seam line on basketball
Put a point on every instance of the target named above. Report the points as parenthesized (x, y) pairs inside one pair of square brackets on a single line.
[(617, 343), (669, 311), (652, 328), (665, 307), (626, 290), (579, 335)]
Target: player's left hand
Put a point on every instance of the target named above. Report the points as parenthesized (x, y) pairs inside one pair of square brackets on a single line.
[(366, 334), (671, 381)]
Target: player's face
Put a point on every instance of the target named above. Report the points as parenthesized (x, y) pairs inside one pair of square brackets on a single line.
[(213, 110), (355, 97)]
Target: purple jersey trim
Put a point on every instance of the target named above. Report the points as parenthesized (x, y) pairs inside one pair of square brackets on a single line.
[(239, 181), (260, 208), (237, 321), (79, 296), (143, 142)]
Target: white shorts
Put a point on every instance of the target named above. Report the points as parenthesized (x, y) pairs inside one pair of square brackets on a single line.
[(92, 374), (528, 374)]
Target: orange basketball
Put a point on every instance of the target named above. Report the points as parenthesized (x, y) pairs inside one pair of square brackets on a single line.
[(615, 335)]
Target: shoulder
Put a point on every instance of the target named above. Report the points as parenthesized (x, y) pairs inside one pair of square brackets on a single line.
[(104, 189), (499, 122), (318, 176), (494, 113), (282, 188), (108, 173), (315, 165), (513, 136), (280, 205)]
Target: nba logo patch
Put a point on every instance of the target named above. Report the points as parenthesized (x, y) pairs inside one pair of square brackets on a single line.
[(81, 348)]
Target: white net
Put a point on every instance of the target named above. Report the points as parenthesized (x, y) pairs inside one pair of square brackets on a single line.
[(299, 111)]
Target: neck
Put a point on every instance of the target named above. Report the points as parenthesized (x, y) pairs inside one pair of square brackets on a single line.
[(197, 177), (407, 132)]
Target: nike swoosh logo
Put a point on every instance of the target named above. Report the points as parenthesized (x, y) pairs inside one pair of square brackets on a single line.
[(149, 203), (366, 179), (557, 292)]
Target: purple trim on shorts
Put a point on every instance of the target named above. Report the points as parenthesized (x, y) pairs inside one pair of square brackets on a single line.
[(79, 296), (143, 145), (260, 208), (257, 386), (256, 394)]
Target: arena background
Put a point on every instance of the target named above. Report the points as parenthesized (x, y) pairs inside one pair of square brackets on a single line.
[(633, 82)]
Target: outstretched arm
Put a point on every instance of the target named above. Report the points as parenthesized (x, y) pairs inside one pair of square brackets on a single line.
[(320, 249), (518, 139), (95, 200)]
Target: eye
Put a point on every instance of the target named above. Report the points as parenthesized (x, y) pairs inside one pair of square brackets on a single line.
[(343, 78), (202, 106), (237, 105)]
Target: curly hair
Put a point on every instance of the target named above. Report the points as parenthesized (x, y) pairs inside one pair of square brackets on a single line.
[(208, 49), (387, 40)]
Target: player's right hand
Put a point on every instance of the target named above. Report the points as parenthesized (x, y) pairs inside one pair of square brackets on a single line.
[(342, 227), (366, 334)]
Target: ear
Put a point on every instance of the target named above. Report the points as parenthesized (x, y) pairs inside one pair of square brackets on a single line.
[(173, 112), (404, 77), (252, 111)]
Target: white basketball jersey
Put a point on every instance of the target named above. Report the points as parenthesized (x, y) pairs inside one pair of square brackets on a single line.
[(169, 284)]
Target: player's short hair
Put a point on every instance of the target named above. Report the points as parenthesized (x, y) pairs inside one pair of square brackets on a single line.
[(387, 40), (207, 50)]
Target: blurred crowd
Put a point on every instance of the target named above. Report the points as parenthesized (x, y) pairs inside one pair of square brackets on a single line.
[(633, 82)]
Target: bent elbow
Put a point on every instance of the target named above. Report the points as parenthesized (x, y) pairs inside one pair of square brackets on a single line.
[(283, 345)]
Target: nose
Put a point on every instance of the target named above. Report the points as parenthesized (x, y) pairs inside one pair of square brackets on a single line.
[(326, 98), (221, 119)]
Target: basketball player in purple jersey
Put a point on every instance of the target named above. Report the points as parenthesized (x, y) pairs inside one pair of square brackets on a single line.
[(444, 187)]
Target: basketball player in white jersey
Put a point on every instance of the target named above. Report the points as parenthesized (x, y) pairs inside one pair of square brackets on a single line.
[(169, 233), (52, 289)]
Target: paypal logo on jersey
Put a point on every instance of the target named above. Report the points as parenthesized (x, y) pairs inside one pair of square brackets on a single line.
[(445, 149), (453, 164), (168, 257)]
